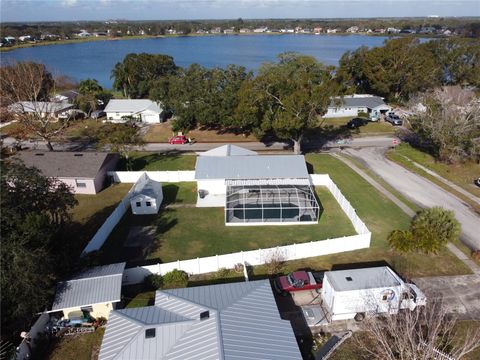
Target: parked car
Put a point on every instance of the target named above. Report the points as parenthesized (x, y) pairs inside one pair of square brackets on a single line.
[(97, 114), (298, 281), (72, 114), (356, 123), (179, 139), (477, 182), (394, 119)]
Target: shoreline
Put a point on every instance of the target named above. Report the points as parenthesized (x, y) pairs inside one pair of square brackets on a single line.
[(143, 37)]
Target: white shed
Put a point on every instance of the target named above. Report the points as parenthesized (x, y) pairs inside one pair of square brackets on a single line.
[(146, 197)]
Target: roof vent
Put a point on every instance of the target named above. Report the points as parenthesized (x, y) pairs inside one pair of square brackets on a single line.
[(204, 315), (150, 333), (348, 278), (39, 154), (77, 154)]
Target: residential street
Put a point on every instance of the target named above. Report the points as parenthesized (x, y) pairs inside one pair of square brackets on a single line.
[(420, 191)]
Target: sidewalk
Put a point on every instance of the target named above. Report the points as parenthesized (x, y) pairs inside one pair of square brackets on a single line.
[(456, 251)]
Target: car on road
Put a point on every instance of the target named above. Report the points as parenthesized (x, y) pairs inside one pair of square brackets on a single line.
[(178, 140), (394, 119), (298, 281), (356, 123)]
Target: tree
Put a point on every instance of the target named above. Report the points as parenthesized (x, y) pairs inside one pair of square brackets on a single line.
[(447, 121), (32, 83), (35, 212), (430, 230), (135, 75), (89, 86), (416, 335), (287, 98), (121, 138)]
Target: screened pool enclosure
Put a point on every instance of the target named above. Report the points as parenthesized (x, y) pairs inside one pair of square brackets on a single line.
[(251, 203)]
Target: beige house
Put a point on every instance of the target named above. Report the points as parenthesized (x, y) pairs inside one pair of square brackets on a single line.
[(94, 291)]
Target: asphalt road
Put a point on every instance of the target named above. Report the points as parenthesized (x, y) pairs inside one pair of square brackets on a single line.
[(421, 191)]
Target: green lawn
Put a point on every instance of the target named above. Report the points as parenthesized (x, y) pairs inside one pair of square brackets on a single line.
[(461, 174), (161, 161), (78, 347), (371, 127), (189, 232)]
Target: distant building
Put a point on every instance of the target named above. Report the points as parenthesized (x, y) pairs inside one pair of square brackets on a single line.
[(392, 30), (260, 29), (379, 31), (317, 30), (353, 105), (244, 30), (332, 31), (352, 29), (84, 172), (144, 110), (229, 31), (216, 30), (66, 96), (84, 33), (25, 38)]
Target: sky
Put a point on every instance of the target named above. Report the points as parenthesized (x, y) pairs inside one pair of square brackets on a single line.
[(74, 10)]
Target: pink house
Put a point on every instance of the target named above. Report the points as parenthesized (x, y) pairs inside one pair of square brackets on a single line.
[(85, 172)]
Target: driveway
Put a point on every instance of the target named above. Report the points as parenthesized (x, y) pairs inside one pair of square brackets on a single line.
[(461, 294), (420, 191)]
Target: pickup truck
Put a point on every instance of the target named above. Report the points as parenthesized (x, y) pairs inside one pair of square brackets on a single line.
[(298, 281)]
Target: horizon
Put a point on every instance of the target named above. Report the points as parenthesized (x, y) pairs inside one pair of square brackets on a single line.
[(42, 11)]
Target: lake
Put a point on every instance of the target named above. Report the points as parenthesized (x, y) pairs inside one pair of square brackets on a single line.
[(97, 59)]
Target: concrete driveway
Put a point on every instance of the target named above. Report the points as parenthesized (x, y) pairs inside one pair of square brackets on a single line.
[(461, 294), (420, 191)]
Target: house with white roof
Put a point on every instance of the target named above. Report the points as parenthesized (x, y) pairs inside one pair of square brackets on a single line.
[(45, 109), (146, 197), (352, 105), (256, 189), (144, 110), (94, 291), (217, 322)]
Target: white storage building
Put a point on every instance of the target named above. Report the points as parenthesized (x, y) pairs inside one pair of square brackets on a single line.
[(352, 105), (144, 110), (147, 196)]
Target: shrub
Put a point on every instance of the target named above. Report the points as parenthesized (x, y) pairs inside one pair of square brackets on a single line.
[(274, 262), (223, 274), (175, 279), (154, 281)]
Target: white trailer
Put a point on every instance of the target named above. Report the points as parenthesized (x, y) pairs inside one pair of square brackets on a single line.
[(356, 293)]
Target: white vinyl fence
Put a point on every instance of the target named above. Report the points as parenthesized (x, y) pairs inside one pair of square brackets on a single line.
[(107, 227), (161, 176), (27, 346), (259, 257)]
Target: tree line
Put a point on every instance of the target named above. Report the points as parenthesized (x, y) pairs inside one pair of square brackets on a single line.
[(285, 98)]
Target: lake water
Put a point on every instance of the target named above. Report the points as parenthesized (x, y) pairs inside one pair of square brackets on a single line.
[(97, 59)]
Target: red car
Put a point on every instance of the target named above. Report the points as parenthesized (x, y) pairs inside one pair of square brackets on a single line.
[(298, 281), (179, 139)]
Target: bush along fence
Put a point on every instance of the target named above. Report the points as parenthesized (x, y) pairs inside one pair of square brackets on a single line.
[(258, 257)]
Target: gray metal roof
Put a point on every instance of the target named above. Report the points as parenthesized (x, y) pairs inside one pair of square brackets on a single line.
[(40, 106), (146, 186), (366, 278), (370, 102), (243, 323), (228, 150), (101, 284), (251, 167), (132, 105), (62, 164)]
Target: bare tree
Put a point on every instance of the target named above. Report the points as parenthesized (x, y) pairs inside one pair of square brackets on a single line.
[(274, 261), (421, 334), (25, 88), (448, 119)]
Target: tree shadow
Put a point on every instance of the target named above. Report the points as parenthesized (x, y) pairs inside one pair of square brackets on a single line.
[(141, 162), (318, 137), (170, 192), (360, 265)]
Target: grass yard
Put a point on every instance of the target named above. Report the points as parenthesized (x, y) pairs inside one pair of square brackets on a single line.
[(460, 174), (78, 347), (373, 127), (161, 161), (189, 232), (162, 132)]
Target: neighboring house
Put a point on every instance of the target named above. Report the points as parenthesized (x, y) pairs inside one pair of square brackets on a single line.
[(141, 109), (94, 291), (217, 322), (68, 96), (85, 172), (352, 105), (42, 108), (146, 197), (256, 189)]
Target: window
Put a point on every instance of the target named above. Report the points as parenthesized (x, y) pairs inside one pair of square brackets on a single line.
[(138, 204), (148, 203), (348, 278), (81, 184), (87, 308), (149, 333)]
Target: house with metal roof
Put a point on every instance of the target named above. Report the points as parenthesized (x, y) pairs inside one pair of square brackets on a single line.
[(44, 109), (146, 197), (144, 110), (94, 291), (256, 189), (352, 105), (84, 172), (228, 150), (226, 321)]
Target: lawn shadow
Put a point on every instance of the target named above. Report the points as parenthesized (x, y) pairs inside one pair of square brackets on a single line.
[(360, 265)]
